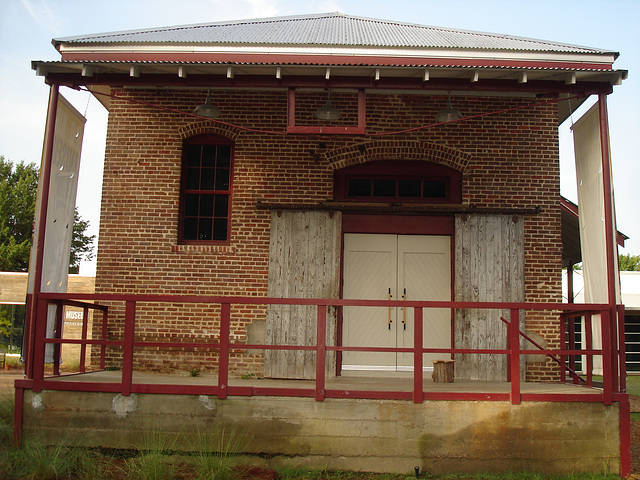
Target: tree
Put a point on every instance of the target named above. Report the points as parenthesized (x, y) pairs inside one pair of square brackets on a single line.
[(18, 190), (629, 263)]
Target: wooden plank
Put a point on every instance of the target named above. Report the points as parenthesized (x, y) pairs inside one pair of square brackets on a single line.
[(304, 261), (489, 266)]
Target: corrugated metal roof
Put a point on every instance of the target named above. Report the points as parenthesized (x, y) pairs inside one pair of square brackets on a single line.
[(331, 29)]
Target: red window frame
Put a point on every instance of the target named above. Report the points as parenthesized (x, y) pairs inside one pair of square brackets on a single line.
[(399, 170), (189, 193)]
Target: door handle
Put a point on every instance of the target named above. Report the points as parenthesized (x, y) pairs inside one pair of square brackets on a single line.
[(404, 311), (390, 297)]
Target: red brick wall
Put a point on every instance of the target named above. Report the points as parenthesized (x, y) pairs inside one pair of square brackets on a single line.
[(508, 160)]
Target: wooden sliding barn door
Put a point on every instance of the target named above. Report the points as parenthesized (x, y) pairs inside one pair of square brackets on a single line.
[(304, 262), (489, 267)]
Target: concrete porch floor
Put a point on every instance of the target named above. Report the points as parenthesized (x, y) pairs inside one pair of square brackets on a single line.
[(381, 382)]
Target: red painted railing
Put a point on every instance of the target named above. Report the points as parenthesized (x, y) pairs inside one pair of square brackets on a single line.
[(612, 331)]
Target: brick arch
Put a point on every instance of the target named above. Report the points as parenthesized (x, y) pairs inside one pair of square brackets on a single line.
[(209, 128), (396, 150)]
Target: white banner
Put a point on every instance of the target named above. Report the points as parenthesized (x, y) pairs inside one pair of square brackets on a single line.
[(588, 156), (67, 145)]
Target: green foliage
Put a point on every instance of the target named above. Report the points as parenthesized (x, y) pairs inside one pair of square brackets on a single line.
[(18, 188), (629, 263)]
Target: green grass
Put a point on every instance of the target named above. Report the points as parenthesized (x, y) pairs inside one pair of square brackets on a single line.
[(633, 385)]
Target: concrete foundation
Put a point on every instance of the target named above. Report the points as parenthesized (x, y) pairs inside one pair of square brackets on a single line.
[(348, 434)]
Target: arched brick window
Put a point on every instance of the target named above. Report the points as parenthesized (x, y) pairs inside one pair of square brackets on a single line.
[(205, 201), (398, 181)]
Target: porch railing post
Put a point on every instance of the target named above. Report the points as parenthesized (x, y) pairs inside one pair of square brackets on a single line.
[(39, 344), (104, 333), (223, 353), (563, 344), (127, 349), (514, 343), (57, 334), (83, 346), (588, 331), (418, 382), (607, 377), (321, 352), (622, 349)]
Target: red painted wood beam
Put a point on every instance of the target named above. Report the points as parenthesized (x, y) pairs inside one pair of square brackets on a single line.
[(75, 80)]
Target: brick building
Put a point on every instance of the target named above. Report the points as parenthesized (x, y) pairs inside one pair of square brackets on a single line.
[(327, 171)]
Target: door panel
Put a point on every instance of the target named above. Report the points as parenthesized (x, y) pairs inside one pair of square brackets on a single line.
[(370, 261), (376, 266), (424, 273)]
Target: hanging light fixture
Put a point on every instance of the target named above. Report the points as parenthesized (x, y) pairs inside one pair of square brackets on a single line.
[(448, 114), (206, 109), (328, 112)]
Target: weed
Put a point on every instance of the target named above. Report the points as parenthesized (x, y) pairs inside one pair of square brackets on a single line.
[(194, 372), (247, 376), (6, 418)]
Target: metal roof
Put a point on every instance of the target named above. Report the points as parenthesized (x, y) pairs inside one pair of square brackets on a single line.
[(330, 29)]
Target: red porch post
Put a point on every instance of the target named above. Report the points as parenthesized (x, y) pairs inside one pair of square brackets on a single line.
[(44, 182)]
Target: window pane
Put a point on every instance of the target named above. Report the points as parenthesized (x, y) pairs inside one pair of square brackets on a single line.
[(204, 229), (191, 205), (384, 188), (193, 179), (222, 179), (220, 229), (435, 189), (222, 206), (190, 229), (224, 156), (208, 155), (207, 179), (359, 188), (193, 155), (206, 205), (409, 188)]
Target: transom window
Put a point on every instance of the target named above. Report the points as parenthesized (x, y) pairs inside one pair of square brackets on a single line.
[(206, 189), (400, 181)]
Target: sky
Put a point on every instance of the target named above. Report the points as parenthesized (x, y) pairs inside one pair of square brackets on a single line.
[(27, 27)]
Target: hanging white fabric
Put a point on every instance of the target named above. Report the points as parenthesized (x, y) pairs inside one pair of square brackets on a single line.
[(589, 173), (67, 146)]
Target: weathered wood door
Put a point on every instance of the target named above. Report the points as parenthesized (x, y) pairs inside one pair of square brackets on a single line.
[(378, 267), (489, 258), (304, 262)]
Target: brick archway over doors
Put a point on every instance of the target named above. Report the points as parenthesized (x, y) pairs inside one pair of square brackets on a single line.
[(396, 150)]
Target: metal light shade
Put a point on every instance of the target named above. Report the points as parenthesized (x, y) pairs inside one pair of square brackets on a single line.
[(448, 114), (328, 112), (207, 110)]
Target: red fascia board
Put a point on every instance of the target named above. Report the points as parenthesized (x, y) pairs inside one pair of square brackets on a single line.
[(323, 60)]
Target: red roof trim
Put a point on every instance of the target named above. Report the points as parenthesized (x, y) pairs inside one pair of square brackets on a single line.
[(281, 59)]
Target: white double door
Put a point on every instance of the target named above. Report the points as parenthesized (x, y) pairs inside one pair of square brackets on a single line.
[(399, 267)]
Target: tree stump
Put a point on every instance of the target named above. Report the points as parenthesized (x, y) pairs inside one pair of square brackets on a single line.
[(442, 371)]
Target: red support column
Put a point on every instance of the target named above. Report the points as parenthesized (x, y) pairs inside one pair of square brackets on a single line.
[(43, 181), (223, 354), (607, 378), (418, 382), (625, 438), (17, 416), (514, 339), (321, 352), (127, 349)]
